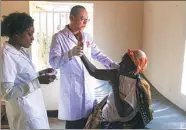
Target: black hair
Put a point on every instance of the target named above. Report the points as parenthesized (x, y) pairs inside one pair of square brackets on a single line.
[(75, 10), (15, 23)]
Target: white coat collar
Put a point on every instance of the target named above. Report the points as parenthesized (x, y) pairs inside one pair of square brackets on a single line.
[(70, 35), (12, 49), (22, 52)]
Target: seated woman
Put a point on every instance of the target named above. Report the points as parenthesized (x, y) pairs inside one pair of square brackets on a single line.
[(129, 104)]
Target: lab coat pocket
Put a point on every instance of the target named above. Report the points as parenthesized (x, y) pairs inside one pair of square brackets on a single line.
[(67, 83), (78, 85), (32, 105)]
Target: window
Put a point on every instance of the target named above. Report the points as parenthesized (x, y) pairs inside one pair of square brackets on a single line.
[(49, 18), (183, 85)]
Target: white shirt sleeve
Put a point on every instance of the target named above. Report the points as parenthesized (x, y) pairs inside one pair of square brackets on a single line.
[(98, 55), (8, 70), (57, 56), (9, 91)]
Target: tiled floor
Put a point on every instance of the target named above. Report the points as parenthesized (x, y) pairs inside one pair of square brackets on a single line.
[(56, 124), (166, 114)]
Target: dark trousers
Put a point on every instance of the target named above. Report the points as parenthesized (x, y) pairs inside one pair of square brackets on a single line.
[(77, 124)]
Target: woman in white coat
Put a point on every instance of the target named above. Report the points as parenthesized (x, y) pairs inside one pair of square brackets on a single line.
[(20, 83)]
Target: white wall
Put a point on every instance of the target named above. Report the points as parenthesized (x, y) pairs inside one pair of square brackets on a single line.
[(8, 7), (117, 27), (164, 35)]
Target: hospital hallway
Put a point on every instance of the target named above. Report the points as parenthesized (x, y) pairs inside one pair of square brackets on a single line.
[(166, 114)]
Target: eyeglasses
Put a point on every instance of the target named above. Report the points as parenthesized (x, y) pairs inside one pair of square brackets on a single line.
[(85, 19)]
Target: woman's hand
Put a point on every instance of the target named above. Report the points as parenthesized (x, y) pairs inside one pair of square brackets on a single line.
[(46, 79), (46, 71)]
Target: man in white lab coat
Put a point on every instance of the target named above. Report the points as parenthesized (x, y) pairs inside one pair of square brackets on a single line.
[(76, 94)]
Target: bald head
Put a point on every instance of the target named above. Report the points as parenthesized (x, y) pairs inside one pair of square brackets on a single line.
[(76, 9), (78, 18)]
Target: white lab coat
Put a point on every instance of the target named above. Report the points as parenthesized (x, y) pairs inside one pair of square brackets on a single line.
[(77, 95), (21, 89)]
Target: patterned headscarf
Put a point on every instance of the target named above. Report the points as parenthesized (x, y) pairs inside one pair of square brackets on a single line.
[(139, 58)]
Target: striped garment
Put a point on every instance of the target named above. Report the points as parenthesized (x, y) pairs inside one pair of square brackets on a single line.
[(127, 89), (106, 111)]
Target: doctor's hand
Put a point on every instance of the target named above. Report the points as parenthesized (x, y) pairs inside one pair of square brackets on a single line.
[(46, 79), (76, 51)]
